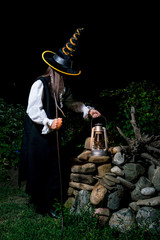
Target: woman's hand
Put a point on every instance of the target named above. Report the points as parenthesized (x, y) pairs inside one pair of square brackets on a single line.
[(56, 124), (94, 113)]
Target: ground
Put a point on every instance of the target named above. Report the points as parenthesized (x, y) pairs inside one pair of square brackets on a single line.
[(19, 221)]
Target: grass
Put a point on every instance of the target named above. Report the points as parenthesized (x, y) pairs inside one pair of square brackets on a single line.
[(19, 221)]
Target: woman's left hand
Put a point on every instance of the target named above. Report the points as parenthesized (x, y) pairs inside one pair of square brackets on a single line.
[(94, 113), (56, 124)]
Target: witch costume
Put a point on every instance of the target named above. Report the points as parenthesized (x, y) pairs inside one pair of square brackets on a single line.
[(38, 162)]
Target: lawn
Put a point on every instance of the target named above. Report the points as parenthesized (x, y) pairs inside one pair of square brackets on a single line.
[(19, 221)]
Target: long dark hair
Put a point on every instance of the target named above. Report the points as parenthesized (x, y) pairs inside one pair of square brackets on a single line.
[(57, 82)]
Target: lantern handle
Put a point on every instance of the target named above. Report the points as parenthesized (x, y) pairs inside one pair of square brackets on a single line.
[(96, 118)]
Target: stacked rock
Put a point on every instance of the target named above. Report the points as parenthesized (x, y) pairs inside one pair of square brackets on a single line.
[(84, 172), (117, 185)]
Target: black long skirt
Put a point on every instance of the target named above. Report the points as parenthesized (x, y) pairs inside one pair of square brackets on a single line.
[(39, 165)]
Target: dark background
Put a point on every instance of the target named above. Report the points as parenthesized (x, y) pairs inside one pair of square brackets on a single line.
[(113, 52)]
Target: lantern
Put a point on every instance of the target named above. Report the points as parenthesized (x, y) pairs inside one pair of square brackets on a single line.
[(98, 142)]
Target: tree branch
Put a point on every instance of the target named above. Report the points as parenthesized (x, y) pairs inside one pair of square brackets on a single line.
[(153, 149), (150, 158), (124, 136), (134, 124)]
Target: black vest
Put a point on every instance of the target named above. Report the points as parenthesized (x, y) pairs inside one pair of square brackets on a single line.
[(48, 101), (36, 147)]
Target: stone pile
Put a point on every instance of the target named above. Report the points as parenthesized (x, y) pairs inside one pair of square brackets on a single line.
[(116, 186), (84, 172)]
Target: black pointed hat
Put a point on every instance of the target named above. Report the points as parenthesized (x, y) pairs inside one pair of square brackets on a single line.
[(63, 60)]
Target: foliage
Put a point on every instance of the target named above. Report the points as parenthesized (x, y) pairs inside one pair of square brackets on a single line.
[(115, 105), (18, 221), (11, 132), (145, 97), (11, 128), (74, 132)]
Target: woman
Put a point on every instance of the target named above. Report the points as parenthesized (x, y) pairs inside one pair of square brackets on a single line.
[(38, 162)]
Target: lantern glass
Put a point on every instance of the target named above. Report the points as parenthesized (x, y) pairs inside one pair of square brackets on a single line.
[(98, 140)]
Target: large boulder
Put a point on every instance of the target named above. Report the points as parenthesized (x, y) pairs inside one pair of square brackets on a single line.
[(102, 214), (117, 171), (83, 178), (99, 159), (115, 198), (103, 169), (98, 194), (81, 202), (149, 218), (85, 168), (154, 201), (132, 171), (84, 155), (156, 179), (81, 186), (136, 194), (118, 159), (122, 220)]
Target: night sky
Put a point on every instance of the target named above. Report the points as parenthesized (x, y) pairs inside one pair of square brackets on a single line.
[(111, 53)]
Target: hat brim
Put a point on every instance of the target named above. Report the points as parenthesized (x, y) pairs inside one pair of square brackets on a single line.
[(47, 57)]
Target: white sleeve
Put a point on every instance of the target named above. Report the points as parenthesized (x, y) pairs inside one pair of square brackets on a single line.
[(85, 110), (35, 107), (76, 106)]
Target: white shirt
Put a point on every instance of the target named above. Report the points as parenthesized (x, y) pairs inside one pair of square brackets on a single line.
[(35, 107)]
